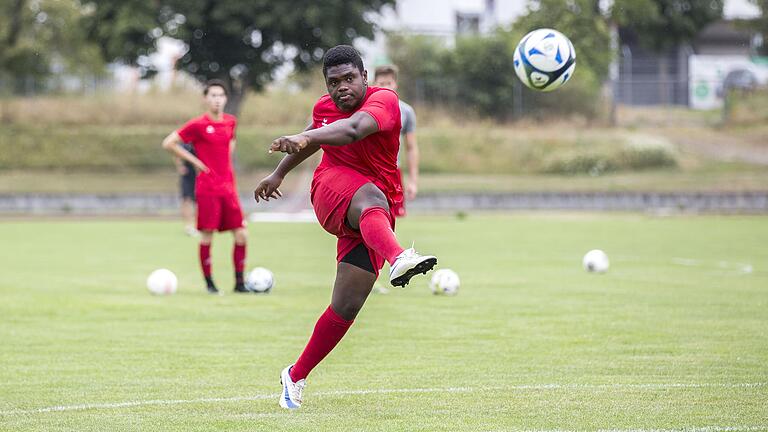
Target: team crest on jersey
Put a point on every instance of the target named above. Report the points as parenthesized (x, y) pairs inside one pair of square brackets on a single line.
[(209, 129), (325, 122)]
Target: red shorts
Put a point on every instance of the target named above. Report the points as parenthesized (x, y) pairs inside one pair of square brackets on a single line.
[(398, 207), (219, 213), (332, 192)]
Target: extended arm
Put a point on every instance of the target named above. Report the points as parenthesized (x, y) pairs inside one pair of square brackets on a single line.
[(268, 187), (339, 133)]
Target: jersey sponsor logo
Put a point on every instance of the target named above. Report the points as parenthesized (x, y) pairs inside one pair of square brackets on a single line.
[(210, 129)]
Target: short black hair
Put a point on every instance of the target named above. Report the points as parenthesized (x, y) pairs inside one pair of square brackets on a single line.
[(215, 83), (342, 54)]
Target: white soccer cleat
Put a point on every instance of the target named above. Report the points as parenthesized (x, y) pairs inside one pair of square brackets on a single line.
[(407, 265), (290, 398), (191, 231), (378, 289)]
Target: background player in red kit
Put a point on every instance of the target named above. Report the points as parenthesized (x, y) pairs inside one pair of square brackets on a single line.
[(218, 207), (353, 191)]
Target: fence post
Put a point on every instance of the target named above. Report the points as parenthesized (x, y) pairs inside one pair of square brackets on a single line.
[(517, 100)]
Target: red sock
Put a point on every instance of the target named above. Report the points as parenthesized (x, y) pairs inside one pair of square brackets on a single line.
[(329, 330), (376, 228), (238, 257), (205, 259)]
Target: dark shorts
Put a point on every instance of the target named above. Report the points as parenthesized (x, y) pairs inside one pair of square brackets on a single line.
[(187, 185), (219, 213), (332, 192)]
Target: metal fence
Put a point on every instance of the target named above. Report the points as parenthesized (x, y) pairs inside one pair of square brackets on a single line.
[(150, 204)]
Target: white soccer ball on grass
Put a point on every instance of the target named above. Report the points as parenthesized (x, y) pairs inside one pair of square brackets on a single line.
[(595, 261), (162, 282), (259, 280), (444, 282)]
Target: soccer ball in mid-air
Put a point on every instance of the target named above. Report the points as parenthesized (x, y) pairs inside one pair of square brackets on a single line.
[(162, 282), (595, 261), (444, 282), (544, 60), (259, 280)]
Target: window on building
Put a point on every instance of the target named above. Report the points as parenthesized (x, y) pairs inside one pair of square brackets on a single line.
[(467, 23)]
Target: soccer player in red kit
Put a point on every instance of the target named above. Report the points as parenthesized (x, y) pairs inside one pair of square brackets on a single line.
[(353, 192), (218, 207)]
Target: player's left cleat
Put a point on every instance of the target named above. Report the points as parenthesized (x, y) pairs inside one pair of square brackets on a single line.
[(290, 398), (408, 264), (191, 231)]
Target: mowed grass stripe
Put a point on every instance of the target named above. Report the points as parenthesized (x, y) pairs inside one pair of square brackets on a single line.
[(529, 387), (78, 328)]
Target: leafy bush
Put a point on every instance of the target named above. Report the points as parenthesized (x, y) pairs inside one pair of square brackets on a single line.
[(631, 156), (747, 108)]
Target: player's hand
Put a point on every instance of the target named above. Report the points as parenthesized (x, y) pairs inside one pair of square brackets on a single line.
[(289, 144), (268, 188), (181, 169), (411, 189), (201, 167)]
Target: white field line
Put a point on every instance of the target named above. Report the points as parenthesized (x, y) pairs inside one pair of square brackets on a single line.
[(685, 429), (130, 404), (740, 268)]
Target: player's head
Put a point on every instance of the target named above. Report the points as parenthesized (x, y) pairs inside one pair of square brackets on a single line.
[(345, 76), (215, 95), (386, 76)]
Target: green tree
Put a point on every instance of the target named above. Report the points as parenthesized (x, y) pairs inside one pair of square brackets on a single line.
[(241, 42), (124, 29), (664, 24), (482, 71), (661, 24), (43, 37), (421, 62), (478, 73)]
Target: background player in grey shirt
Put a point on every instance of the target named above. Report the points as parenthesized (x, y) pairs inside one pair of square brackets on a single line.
[(386, 76)]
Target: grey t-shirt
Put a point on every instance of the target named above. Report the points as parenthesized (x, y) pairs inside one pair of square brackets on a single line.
[(408, 125)]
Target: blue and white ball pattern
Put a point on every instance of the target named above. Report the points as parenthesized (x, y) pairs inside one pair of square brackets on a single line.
[(544, 60)]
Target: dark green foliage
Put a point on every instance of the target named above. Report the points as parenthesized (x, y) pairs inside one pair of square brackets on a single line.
[(42, 38), (661, 24), (479, 71), (239, 41)]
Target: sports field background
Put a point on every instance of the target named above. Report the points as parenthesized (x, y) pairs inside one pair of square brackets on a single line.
[(674, 337)]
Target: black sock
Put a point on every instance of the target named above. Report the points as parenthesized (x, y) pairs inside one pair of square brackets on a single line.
[(209, 282)]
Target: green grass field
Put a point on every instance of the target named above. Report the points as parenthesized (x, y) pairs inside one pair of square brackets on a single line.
[(673, 337)]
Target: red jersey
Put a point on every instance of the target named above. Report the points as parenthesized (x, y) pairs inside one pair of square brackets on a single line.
[(374, 156), (211, 141)]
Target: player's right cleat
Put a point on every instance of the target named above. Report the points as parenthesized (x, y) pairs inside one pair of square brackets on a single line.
[(290, 398), (241, 289), (210, 286), (407, 265)]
